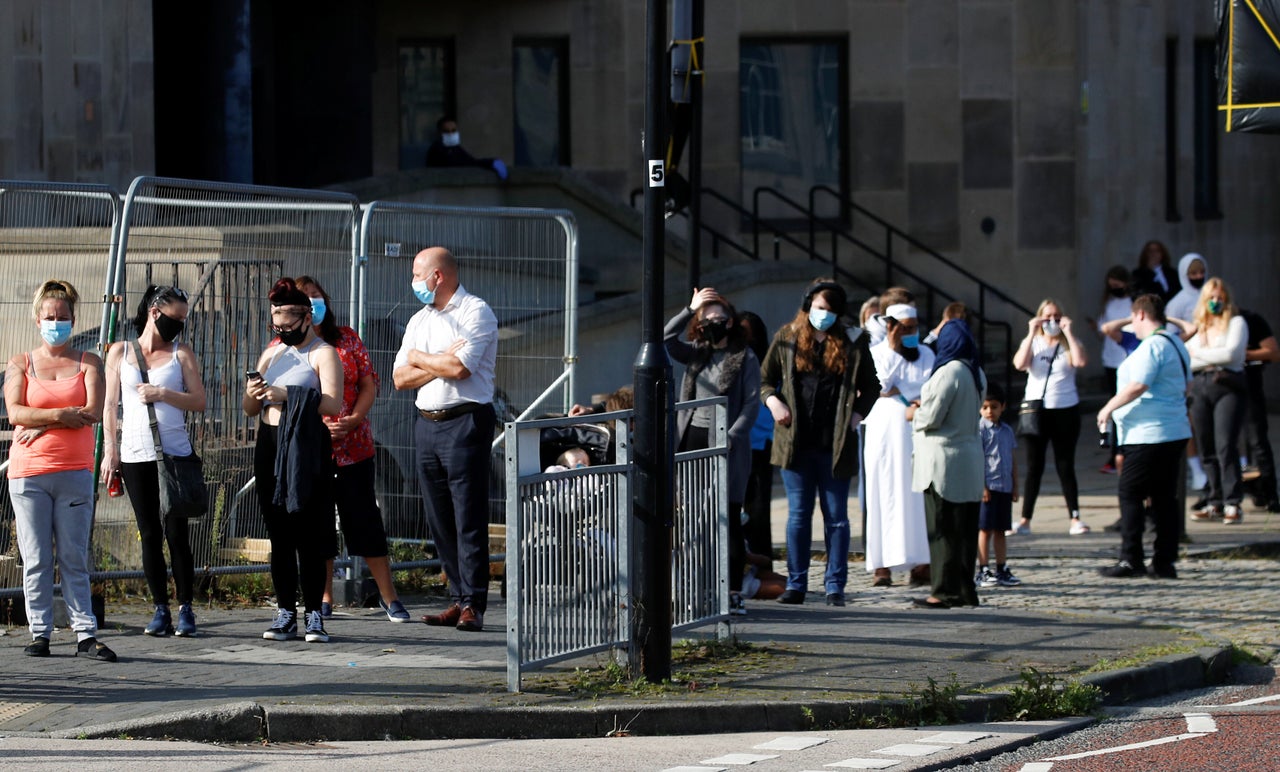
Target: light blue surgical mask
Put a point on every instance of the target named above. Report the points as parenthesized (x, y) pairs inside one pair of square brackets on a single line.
[(912, 340), (420, 291), (821, 319), (318, 310), (55, 333)]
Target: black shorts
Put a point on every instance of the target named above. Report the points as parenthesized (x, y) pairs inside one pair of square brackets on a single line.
[(358, 512), (996, 514)]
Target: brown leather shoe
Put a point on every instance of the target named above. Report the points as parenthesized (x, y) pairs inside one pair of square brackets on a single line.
[(471, 620), (449, 618)]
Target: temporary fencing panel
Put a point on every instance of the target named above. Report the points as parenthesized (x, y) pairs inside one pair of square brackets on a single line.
[(568, 547), (226, 245), (49, 231), (524, 264), (569, 559)]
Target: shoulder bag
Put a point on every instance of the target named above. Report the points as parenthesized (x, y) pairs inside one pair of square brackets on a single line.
[(182, 488), (1031, 410)]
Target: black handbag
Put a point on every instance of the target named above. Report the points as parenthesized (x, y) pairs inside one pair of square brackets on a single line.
[(1030, 410), (183, 492)]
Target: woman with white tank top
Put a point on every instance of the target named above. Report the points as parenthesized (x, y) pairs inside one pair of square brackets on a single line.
[(174, 388)]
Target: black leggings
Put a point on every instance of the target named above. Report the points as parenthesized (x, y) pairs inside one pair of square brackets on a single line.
[(142, 483), (1061, 428), (698, 438)]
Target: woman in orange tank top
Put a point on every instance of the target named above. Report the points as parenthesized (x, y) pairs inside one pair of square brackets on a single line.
[(54, 397)]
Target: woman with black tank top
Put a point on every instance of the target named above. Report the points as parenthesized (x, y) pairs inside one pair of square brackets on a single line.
[(297, 366)]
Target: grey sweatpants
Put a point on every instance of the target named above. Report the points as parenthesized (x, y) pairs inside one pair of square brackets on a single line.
[(54, 514)]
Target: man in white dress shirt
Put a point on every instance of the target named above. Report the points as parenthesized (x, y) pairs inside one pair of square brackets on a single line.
[(448, 355)]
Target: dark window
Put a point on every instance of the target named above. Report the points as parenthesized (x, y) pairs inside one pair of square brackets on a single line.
[(540, 80), (426, 77), (1171, 131), (793, 104), (1206, 131)]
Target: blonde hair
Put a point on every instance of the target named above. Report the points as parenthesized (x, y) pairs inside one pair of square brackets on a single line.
[(1205, 320), (1062, 339), (55, 289)]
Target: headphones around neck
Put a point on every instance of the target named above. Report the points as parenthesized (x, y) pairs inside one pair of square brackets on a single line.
[(819, 286)]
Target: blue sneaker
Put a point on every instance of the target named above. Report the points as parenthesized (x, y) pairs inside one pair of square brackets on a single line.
[(186, 621), (284, 627), (396, 612), (161, 624), (326, 609)]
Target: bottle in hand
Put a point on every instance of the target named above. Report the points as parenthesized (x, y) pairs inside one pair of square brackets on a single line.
[(115, 486)]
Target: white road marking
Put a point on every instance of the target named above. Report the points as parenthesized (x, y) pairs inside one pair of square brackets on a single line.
[(694, 769), (910, 749), (738, 759), (1200, 722), (1130, 747), (1254, 701), (791, 743), (1037, 766), (955, 738), (856, 763)]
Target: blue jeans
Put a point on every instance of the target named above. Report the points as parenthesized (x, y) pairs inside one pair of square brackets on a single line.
[(810, 476)]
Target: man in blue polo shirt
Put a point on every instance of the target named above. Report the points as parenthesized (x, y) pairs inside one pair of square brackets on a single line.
[(1150, 411)]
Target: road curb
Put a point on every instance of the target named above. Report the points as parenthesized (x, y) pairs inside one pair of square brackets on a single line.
[(1164, 675)]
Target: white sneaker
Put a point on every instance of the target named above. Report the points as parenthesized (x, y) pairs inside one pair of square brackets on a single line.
[(1078, 528), (1021, 529), (1231, 515), (986, 577)]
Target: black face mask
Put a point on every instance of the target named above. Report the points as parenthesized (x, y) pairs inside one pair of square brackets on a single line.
[(713, 331), (1196, 283), (168, 327), (1116, 292), (291, 337)]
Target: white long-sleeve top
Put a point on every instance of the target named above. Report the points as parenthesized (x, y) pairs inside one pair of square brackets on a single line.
[(1224, 349)]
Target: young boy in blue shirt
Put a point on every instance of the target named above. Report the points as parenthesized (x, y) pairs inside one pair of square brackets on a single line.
[(999, 491)]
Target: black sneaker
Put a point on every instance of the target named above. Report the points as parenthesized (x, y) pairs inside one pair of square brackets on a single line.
[(1120, 570), (835, 599), (1161, 572), (315, 628), (792, 597), (285, 626), (39, 647)]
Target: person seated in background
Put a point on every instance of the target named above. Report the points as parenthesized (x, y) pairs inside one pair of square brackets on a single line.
[(624, 398), (448, 151), (572, 458)]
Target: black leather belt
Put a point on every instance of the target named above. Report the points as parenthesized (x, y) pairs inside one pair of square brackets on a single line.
[(450, 412)]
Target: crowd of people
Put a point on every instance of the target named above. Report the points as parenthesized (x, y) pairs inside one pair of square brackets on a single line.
[(836, 392)]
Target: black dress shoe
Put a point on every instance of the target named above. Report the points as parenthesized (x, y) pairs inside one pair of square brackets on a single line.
[(1120, 570), (1114, 527), (835, 599), (793, 597), (1200, 503), (1161, 572), (926, 603)]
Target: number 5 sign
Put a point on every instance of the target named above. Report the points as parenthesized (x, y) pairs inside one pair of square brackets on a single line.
[(656, 175)]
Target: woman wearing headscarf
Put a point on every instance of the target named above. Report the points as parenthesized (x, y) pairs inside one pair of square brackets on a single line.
[(948, 465), (817, 382), (1154, 273), (895, 530)]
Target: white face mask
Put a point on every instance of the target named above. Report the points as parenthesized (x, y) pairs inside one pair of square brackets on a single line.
[(1051, 327), (451, 139)]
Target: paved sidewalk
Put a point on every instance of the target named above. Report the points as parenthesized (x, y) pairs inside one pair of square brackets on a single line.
[(378, 680)]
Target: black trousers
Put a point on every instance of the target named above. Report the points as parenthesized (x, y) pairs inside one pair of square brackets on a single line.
[(453, 473), (142, 483), (1150, 472), (301, 542), (1259, 442), (1060, 428), (759, 503), (1217, 419), (698, 438), (953, 547)]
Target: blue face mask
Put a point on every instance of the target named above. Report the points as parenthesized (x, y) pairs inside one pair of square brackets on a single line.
[(912, 340), (821, 319), (55, 333), (420, 291), (318, 310)]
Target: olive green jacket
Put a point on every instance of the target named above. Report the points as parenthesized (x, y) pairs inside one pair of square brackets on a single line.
[(859, 390)]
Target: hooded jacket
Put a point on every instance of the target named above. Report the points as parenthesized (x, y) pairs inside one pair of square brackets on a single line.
[(1184, 303)]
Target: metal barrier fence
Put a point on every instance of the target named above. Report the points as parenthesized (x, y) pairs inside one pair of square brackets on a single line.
[(569, 552), (524, 264), (227, 244)]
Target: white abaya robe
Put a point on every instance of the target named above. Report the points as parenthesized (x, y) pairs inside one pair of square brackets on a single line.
[(896, 534)]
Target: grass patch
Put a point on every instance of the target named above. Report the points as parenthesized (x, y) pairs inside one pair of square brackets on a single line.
[(1145, 655), (697, 665)]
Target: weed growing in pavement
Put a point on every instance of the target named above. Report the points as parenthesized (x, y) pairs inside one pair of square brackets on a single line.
[(934, 704), (1241, 656), (1044, 696)]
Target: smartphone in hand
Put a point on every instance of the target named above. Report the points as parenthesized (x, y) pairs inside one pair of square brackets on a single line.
[(252, 375)]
